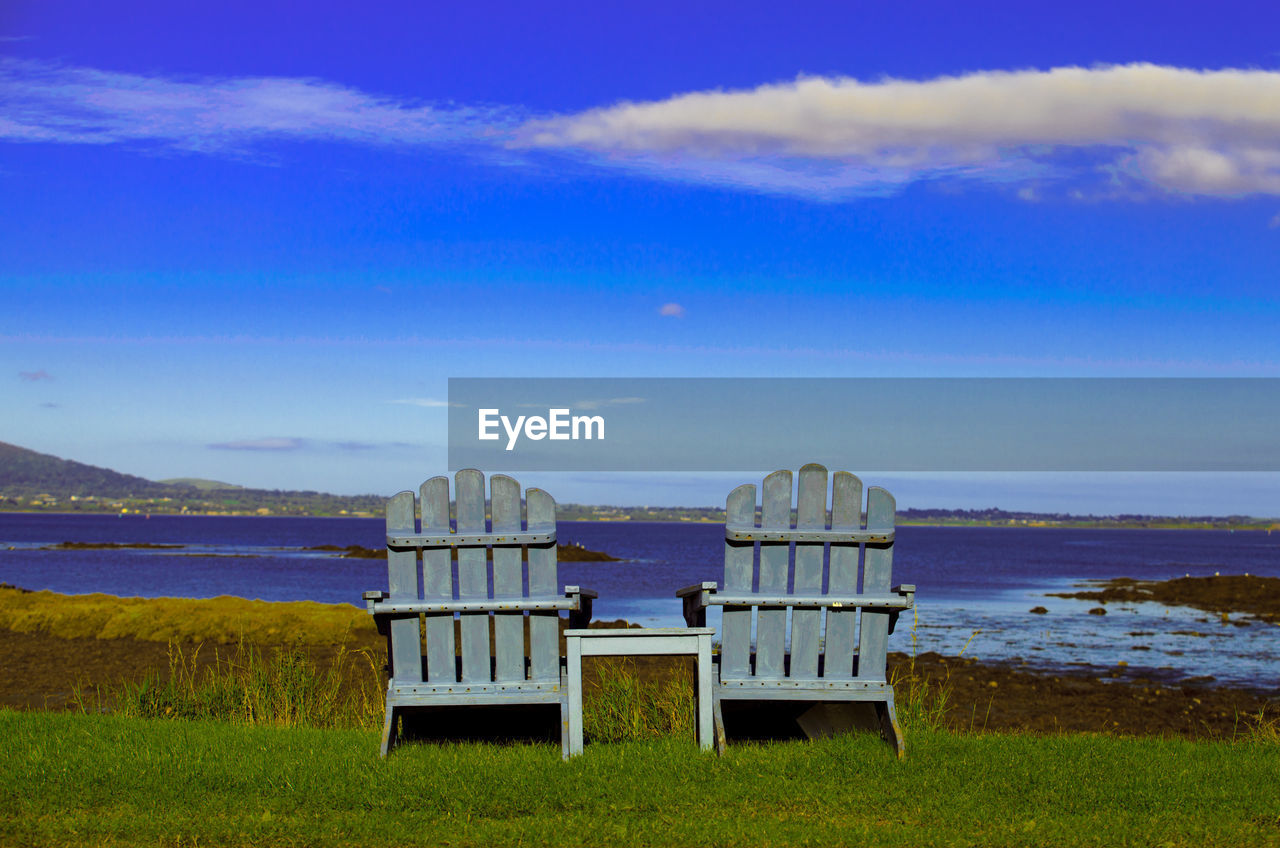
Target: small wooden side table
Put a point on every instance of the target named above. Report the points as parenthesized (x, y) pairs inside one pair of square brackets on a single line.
[(638, 641)]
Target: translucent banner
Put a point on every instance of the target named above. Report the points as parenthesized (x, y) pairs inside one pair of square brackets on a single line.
[(865, 424)]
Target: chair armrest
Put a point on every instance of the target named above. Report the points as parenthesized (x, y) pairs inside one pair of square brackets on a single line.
[(696, 588), (873, 602), (580, 613), (908, 592), (371, 597), (695, 602)]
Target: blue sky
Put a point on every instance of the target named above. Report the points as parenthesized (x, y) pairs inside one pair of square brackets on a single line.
[(251, 244)]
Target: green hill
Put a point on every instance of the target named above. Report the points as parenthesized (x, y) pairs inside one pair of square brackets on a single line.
[(200, 483), (38, 481), (24, 472)]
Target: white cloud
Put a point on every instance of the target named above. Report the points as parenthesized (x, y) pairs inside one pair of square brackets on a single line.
[(671, 310), (272, 444), (47, 102), (1211, 132), (595, 403), (430, 403), (1110, 130)]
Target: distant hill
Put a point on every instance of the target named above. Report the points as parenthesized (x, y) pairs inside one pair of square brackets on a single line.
[(200, 483), (25, 472), (34, 481), (38, 481)]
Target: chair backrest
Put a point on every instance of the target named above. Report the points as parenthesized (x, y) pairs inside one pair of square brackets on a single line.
[(486, 557), (772, 554)]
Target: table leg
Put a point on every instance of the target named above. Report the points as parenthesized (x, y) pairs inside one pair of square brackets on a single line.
[(574, 683), (705, 693)]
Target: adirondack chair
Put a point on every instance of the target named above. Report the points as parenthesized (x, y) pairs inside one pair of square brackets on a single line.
[(836, 685), (525, 592)]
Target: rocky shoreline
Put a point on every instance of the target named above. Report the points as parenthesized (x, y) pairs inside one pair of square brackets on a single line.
[(1229, 594)]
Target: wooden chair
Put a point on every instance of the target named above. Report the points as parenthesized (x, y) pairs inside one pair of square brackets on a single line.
[(822, 667), (522, 554)]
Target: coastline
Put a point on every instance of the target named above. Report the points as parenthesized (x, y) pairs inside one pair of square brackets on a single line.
[(1265, 525)]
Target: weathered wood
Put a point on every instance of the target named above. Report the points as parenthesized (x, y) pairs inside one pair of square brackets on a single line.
[(544, 628), (751, 533), (775, 561), (894, 600), (533, 536), (842, 576), (508, 580), (473, 577), (877, 575), (402, 574), (819, 670), (739, 563), (482, 605), (642, 641), (811, 513), (472, 598), (437, 584)]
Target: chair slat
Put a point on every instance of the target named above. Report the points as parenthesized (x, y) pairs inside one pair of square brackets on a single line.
[(877, 574), (842, 576), (544, 627), (437, 584), (402, 573), (739, 561), (811, 513), (775, 560), (508, 627), (473, 577)]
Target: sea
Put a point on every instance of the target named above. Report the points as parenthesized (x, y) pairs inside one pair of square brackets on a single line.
[(976, 586)]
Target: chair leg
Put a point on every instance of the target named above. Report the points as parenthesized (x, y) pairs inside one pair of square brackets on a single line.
[(389, 730), (564, 727), (889, 728), (717, 720)]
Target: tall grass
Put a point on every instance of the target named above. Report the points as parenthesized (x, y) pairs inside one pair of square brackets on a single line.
[(627, 709), (223, 619), (285, 688), (1262, 727), (922, 703)]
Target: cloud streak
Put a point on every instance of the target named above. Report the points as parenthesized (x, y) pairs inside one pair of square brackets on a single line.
[(44, 102), (35, 376), (426, 403), (272, 444), (1108, 131), (1179, 130)]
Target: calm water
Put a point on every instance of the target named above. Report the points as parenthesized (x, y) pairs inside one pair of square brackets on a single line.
[(975, 585)]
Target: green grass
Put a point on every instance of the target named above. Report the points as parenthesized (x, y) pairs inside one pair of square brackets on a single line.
[(107, 779)]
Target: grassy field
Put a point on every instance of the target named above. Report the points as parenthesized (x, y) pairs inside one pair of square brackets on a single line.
[(105, 779)]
